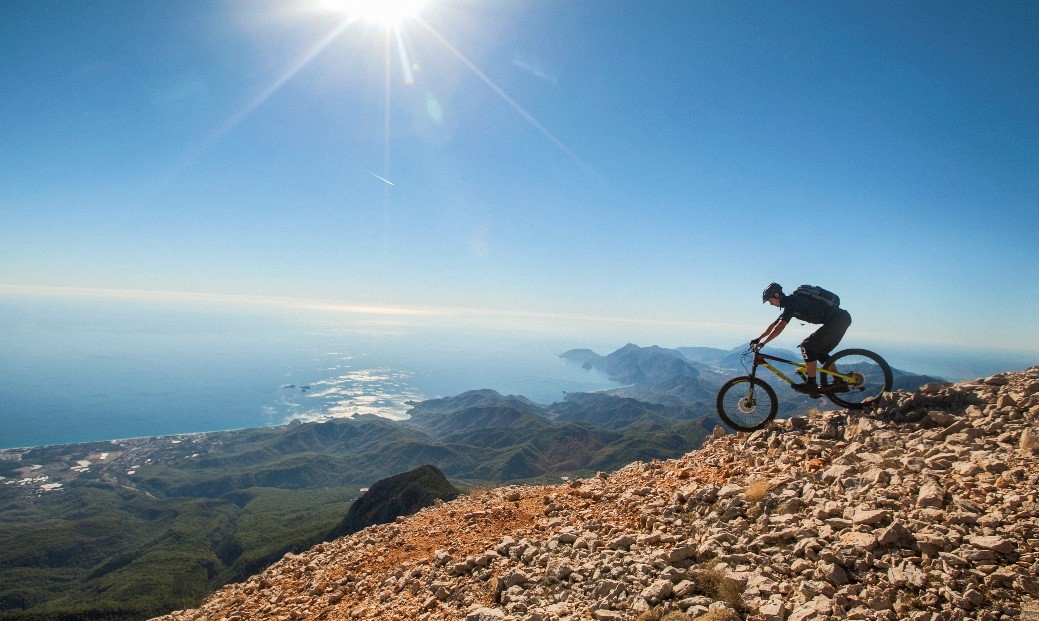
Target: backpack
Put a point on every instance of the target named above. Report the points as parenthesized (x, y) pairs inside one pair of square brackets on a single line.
[(823, 303), (820, 295)]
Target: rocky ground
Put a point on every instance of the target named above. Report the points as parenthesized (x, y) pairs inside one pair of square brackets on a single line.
[(926, 508)]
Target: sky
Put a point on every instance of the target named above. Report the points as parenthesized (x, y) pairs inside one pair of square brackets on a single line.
[(602, 164)]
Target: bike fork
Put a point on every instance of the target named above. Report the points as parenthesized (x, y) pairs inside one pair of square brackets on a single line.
[(753, 376)]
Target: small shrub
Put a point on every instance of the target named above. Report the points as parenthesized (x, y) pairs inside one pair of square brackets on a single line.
[(731, 592), (657, 614), (757, 489), (716, 614), (717, 585), (650, 615)]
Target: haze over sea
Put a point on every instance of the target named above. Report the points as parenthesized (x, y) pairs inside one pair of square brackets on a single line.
[(77, 369)]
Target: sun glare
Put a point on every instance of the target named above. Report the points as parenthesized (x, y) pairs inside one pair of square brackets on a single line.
[(387, 13)]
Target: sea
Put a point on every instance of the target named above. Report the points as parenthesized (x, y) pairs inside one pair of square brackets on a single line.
[(104, 367), (87, 369)]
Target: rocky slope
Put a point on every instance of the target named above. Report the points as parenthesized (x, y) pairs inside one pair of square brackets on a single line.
[(926, 508)]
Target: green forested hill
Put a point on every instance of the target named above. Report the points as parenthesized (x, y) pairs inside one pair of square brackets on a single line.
[(94, 551), (401, 494)]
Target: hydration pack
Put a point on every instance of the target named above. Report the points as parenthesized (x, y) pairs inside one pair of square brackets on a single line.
[(818, 293)]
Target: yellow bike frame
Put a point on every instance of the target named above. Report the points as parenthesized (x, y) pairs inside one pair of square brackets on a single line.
[(761, 359)]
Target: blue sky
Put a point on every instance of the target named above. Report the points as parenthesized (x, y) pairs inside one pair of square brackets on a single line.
[(592, 163)]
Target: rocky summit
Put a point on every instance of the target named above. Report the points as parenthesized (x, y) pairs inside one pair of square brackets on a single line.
[(924, 508)]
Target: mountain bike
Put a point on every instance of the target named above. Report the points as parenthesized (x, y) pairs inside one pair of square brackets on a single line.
[(852, 378)]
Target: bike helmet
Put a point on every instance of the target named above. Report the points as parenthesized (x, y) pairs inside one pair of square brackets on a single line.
[(770, 290)]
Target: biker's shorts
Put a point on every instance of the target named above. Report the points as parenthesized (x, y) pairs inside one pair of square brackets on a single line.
[(820, 343)]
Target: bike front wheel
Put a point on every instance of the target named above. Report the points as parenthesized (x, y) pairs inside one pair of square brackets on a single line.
[(871, 377), (747, 403)]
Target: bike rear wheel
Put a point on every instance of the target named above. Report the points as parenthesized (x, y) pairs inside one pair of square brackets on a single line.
[(872, 378), (747, 403)]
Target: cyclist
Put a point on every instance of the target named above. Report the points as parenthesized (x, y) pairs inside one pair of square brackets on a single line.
[(819, 344)]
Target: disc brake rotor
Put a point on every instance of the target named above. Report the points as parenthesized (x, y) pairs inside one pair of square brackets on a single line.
[(747, 405)]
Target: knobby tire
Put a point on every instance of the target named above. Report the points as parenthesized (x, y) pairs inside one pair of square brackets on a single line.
[(874, 370), (761, 410)]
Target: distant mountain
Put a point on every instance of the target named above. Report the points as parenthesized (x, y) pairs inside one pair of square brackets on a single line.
[(904, 380), (401, 494), (581, 356), (703, 355), (681, 390), (619, 413), (637, 365), (513, 438), (686, 389), (474, 410)]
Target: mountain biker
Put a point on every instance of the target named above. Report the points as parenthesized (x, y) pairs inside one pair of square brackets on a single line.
[(819, 344)]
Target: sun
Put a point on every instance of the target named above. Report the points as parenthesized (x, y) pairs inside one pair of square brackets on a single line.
[(386, 13)]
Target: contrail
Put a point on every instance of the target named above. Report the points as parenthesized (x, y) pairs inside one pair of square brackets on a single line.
[(383, 179)]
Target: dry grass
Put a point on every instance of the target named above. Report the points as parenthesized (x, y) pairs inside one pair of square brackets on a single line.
[(658, 614), (757, 489), (716, 584), (650, 615), (718, 614)]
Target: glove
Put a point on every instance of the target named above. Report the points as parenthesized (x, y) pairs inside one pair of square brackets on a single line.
[(756, 345)]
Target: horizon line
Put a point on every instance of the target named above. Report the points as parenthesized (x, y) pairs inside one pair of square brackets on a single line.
[(441, 312), (343, 306)]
